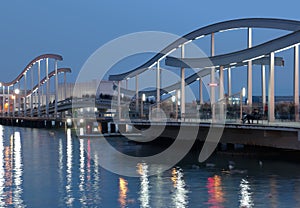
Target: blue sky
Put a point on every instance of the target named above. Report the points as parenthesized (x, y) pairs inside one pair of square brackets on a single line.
[(75, 29)]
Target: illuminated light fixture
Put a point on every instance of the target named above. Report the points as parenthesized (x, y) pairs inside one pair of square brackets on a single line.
[(17, 91), (173, 99), (243, 91), (258, 57), (69, 121), (201, 36), (232, 64), (143, 97), (286, 48), (188, 42), (213, 84), (81, 120), (198, 79), (231, 29), (152, 65)]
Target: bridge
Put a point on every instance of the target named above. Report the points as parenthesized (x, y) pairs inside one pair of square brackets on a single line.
[(28, 96)]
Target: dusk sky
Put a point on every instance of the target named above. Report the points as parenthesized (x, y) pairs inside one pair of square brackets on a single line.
[(75, 29)]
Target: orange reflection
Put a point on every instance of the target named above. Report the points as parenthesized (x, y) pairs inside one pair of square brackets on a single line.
[(174, 177), (8, 175), (140, 169), (216, 195), (123, 189), (6, 106)]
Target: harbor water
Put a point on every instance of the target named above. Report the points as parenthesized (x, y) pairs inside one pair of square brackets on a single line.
[(42, 168)]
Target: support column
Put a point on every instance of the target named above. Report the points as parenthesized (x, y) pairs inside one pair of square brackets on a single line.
[(56, 89), (182, 98), (19, 99), (31, 99), (25, 95), (3, 100), (136, 94), (158, 85), (119, 100), (176, 104), (212, 80), (229, 82), (263, 86), (39, 88), (221, 84), (221, 93), (42, 97), (8, 101), (65, 85), (14, 101), (296, 82), (200, 91), (249, 77), (271, 99), (47, 88)]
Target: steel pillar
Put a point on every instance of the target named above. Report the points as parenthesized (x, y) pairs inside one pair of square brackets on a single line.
[(221, 84), (271, 99), (14, 101), (8, 101), (158, 85), (249, 77), (221, 93), (56, 89), (65, 85), (296, 82), (25, 95), (19, 99), (200, 91), (31, 97), (212, 80), (39, 88), (176, 104), (263, 86), (47, 88), (3, 100), (182, 98), (136, 93), (119, 100), (229, 88)]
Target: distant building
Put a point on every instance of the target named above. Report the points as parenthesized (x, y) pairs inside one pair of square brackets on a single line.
[(86, 89)]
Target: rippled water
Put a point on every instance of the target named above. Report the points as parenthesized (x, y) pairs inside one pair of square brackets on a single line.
[(38, 169)]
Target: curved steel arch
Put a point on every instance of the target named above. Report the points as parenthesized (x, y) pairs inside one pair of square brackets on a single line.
[(41, 57), (44, 80), (271, 23), (239, 56)]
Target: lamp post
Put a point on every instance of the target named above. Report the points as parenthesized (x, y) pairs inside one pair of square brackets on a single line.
[(16, 93), (3, 100), (142, 102), (172, 104), (242, 94)]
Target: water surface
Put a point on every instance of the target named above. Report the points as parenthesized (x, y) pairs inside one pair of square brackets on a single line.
[(38, 169)]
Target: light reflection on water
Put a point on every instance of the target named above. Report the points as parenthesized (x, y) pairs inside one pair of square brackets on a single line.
[(142, 169), (245, 197), (38, 170), (215, 191), (179, 197), (69, 189)]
